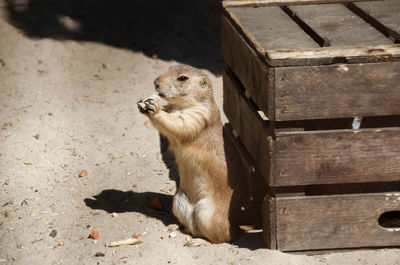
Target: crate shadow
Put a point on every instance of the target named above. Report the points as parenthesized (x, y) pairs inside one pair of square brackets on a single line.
[(184, 31)]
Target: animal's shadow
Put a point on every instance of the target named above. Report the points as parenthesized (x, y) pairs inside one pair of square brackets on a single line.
[(184, 31), (129, 201)]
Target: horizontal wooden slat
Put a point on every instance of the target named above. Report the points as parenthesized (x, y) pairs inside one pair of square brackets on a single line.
[(337, 156), (332, 55), (383, 15), (337, 91), (335, 221), (283, 2), (243, 60), (338, 26), (269, 28)]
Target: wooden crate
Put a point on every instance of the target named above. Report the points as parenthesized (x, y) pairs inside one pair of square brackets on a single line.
[(316, 61), (298, 72), (327, 188)]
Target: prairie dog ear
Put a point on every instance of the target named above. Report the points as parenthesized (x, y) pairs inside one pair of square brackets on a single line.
[(203, 82)]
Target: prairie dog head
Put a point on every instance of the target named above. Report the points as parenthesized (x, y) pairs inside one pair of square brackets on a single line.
[(184, 86)]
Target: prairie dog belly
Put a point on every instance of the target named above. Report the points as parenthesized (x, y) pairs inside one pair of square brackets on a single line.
[(195, 216), (183, 209)]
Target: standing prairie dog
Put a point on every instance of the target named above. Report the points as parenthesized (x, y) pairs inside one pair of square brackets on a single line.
[(209, 200)]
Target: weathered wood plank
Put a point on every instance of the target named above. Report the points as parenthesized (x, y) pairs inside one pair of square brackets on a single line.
[(383, 15), (269, 221), (269, 28), (337, 156), (335, 221), (263, 40), (332, 55), (337, 91), (283, 2), (257, 186), (247, 66), (339, 26), (313, 157), (249, 126)]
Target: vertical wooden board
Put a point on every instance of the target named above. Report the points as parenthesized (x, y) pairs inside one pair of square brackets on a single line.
[(245, 121), (269, 221), (246, 65), (335, 221), (257, 186), (269, 28), (337, 91), (337, 156), (387, 13), (231, 102), (339, 26)]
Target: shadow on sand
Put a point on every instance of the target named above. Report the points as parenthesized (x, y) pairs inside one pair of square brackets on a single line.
[(184, 31), (129, 201)]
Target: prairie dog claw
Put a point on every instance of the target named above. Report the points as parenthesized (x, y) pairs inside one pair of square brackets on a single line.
[(150, 105)]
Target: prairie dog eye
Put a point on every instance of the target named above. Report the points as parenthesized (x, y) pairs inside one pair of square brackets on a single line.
[(182, 78)]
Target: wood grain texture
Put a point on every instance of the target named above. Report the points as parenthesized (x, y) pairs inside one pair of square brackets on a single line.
[(283, 2), (271, 28), (386, 14), (335, 221), (312, 157), (256, 183), (337, 156), (249, 68), (332, 55), (249, 126), (339, 26), (269, 221), (337, 91)]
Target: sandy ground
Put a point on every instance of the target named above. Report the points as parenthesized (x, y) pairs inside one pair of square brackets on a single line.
[(70, 77)]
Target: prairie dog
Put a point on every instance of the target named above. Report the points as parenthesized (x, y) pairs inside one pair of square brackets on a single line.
[(209, 200)]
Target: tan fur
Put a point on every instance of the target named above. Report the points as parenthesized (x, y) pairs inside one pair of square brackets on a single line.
[(204, 201)]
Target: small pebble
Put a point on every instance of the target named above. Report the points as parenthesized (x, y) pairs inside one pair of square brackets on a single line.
[(114, 215), (53, 233), (94, 234), (172, 235), (173, 227)]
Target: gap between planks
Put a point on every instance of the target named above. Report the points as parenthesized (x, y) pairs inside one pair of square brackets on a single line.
[(386, 31), (257, 3)]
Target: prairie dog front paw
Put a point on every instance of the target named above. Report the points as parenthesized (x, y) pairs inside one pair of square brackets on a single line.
[(150, 105)]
